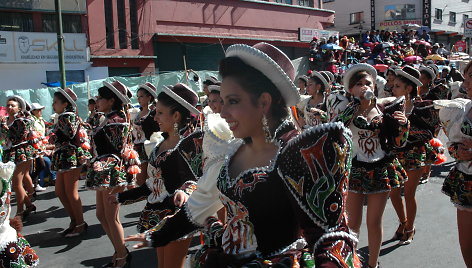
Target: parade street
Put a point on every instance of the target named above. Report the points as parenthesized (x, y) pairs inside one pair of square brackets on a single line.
[(435, 243)]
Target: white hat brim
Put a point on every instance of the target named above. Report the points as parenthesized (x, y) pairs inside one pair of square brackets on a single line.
[(168, 90), (266, 65), (63, 92), (429, 71), (357, 68), (120, 95), (409, 77), (323, 80), (20, 100), (150, 90), (214, 88)]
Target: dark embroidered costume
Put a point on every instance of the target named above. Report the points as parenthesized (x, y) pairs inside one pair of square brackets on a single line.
[(458, 127), (374, 168), (302, 192), (313, 115), (424, 122), (169, 171), (109, 167), (20, 140), (71, 143), (143, 127), (15, 251)]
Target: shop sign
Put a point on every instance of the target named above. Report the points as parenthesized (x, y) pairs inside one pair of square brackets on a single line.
[(396, 24), (468, 28), (307, 34), (27, 47)]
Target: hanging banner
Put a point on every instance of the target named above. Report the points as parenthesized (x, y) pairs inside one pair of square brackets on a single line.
[(307, 34), (427, 13)]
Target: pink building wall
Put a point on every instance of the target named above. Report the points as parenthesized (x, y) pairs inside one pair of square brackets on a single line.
[(197, 21), (233, 18)]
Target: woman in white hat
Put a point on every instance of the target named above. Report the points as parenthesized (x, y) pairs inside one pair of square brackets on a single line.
[(272, 178), (115, 164), (377, 127), (22, 145), (414, 155), (71, 152), (144, 125), (456, 116), (214, 99), (174, 167), (313, 108)]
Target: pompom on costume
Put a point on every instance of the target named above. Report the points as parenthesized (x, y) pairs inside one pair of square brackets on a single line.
[(15, 251)]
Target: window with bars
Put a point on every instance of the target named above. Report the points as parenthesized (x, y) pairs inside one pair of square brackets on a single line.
[(452, 17), (70, 23), (17, 22), (133, 19), (122, 24), (289, 2), (438, 14), (306, 3), (356, 17), (465, 17), (110, 34)]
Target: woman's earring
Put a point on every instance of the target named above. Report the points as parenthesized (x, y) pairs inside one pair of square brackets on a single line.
[(266, 129), (176, 129)]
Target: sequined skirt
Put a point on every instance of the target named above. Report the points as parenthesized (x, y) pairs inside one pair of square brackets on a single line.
[(458, 186), (376, 177), (107, 171), (69, 157)]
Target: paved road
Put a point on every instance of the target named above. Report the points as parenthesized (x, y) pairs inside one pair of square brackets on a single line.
[(435, 243)]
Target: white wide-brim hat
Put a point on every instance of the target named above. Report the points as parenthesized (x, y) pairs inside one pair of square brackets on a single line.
[(408, 76), (150, 88), (170, 91), (70, 95), (322, 78), (120, 90), (429, 70), (271, 62), (357, 68)]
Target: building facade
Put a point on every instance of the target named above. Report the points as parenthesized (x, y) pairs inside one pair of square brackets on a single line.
[(445, 18), (28, 44), (137, 36)]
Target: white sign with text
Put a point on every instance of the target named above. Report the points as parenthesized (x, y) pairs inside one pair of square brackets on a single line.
[(27, 47)]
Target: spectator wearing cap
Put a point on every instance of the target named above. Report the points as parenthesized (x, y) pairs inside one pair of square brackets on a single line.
[(43, 162), (115, 165), (71, 152)]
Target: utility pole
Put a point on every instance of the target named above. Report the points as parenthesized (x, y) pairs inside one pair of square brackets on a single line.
[(60, 43)]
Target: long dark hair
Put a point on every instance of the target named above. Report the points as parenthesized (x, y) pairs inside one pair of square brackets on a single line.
[(174, 106), (62, 98), (107, 94), (255, 83)]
